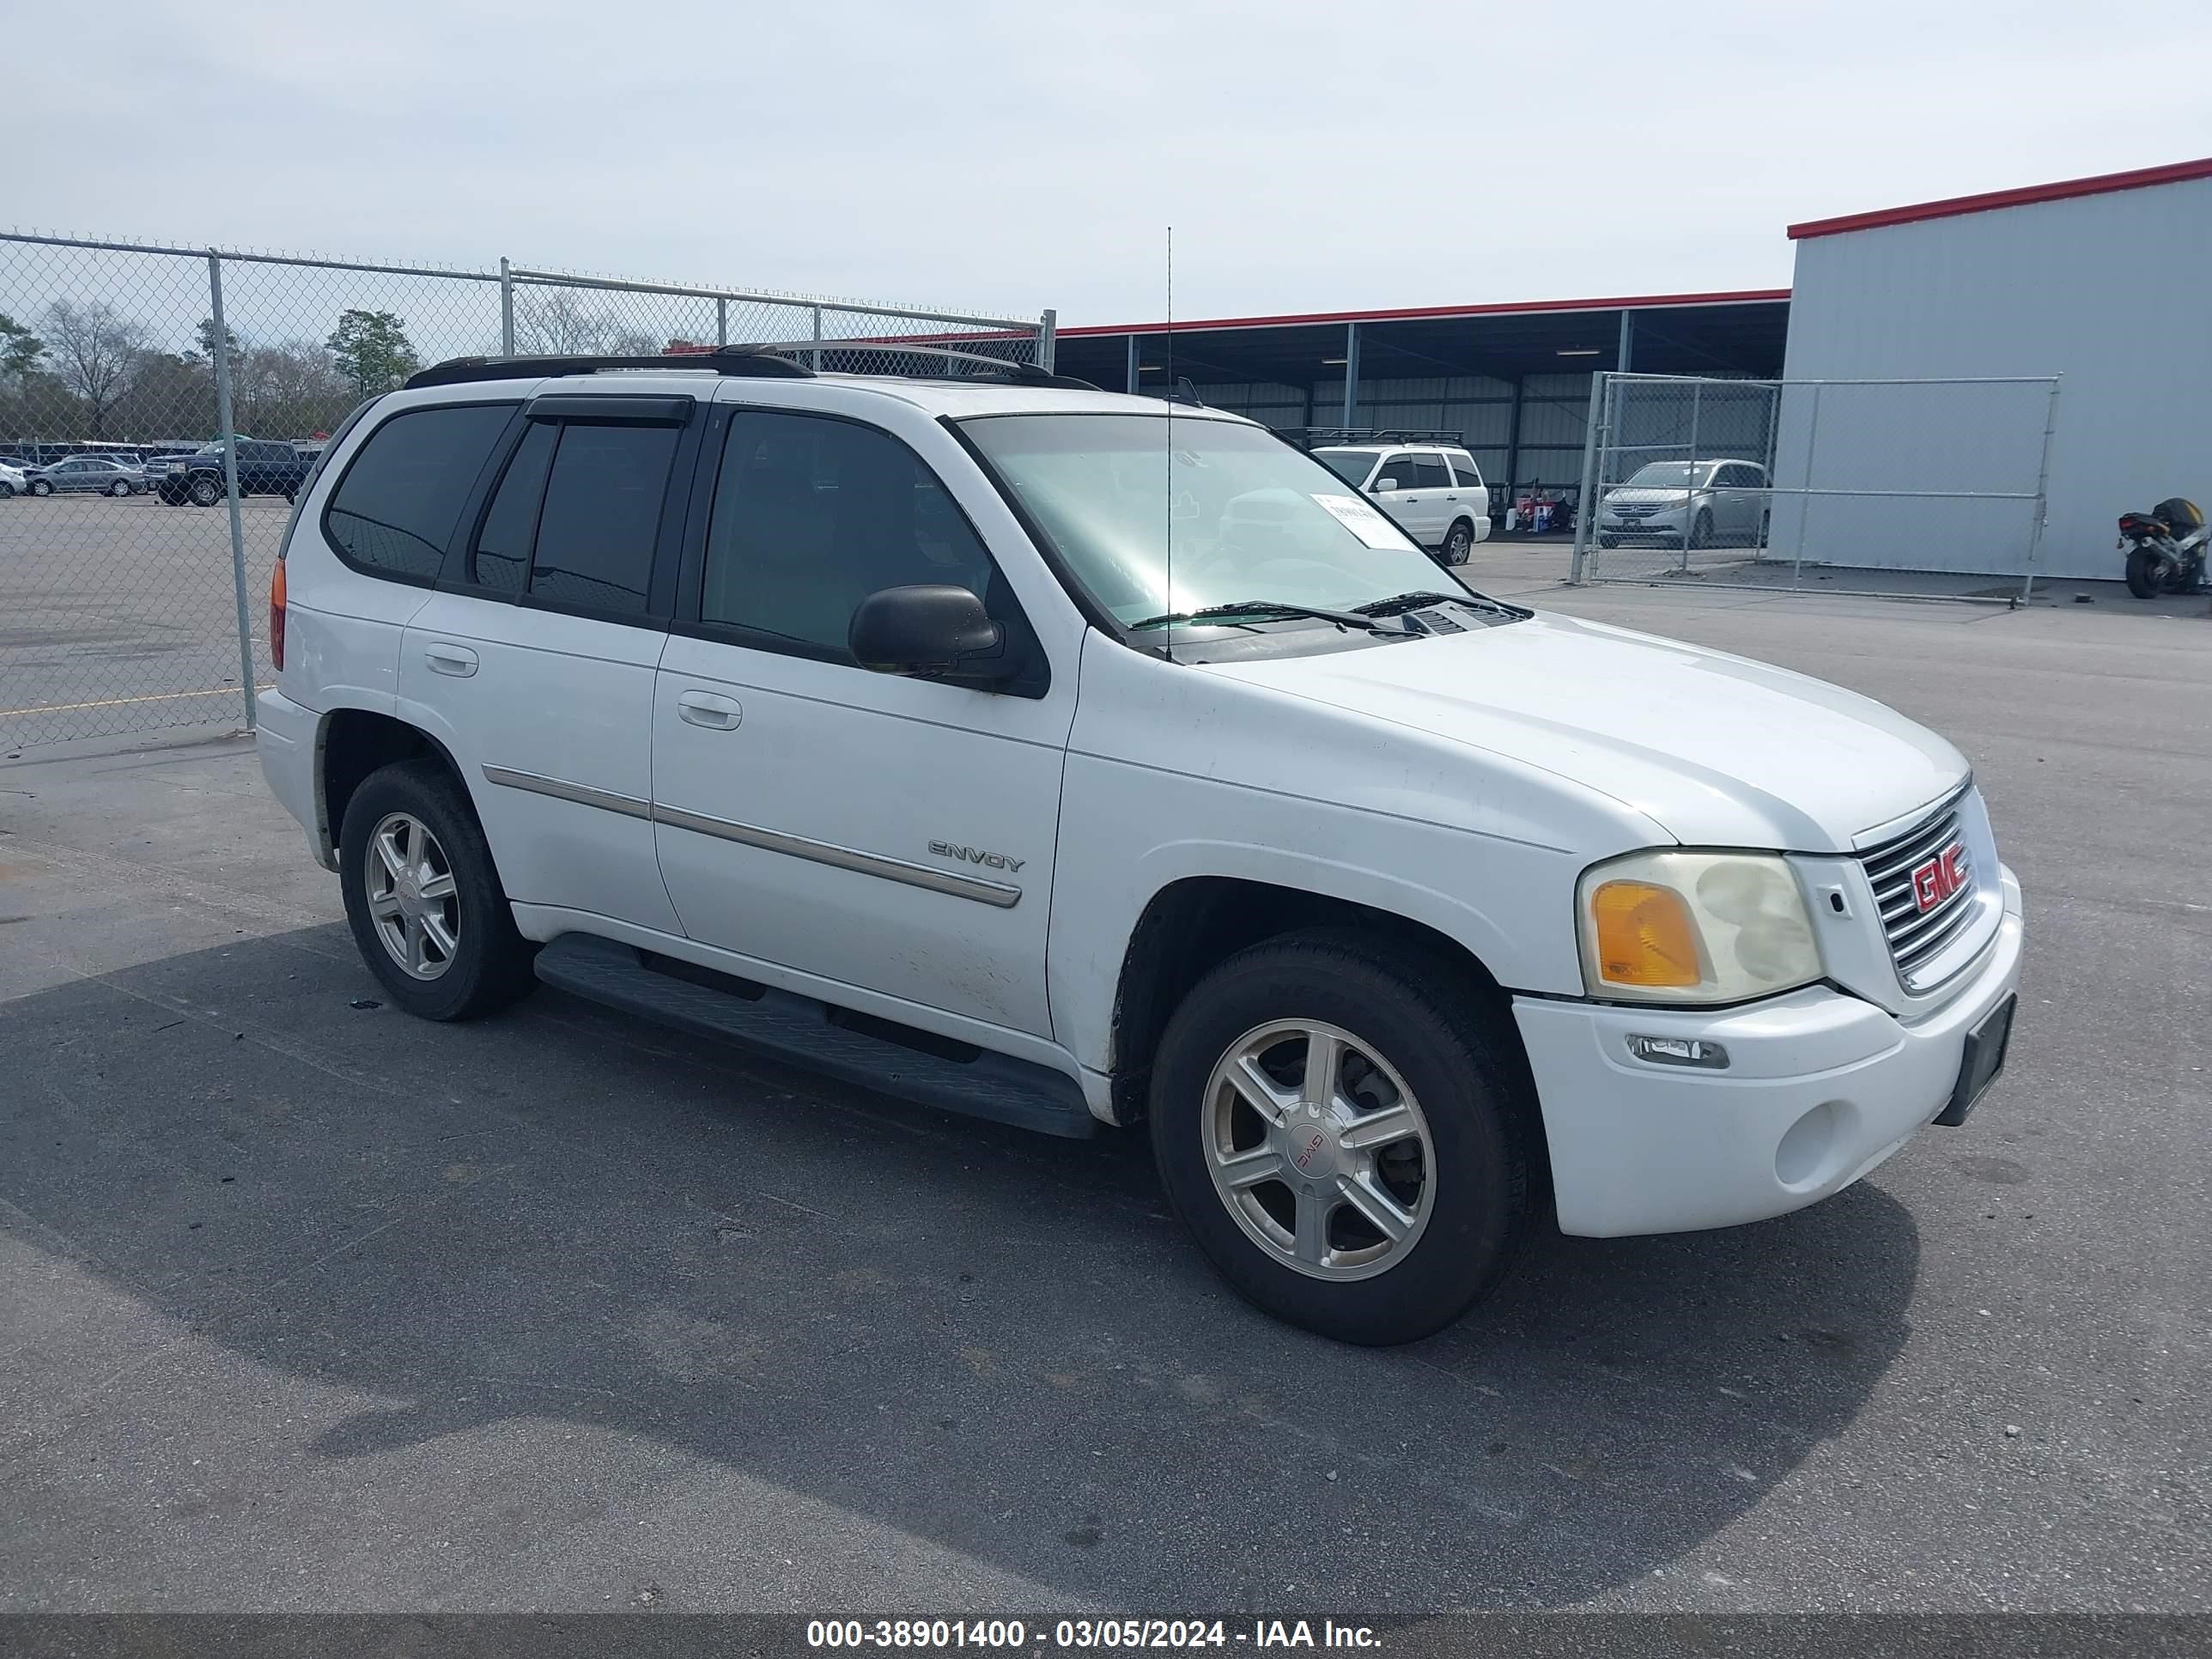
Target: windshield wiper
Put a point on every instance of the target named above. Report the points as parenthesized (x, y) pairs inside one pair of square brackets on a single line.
[(1271, 608), (1398, 604)]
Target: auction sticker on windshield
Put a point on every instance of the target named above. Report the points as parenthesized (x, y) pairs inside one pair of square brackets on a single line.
[(1362, 520)]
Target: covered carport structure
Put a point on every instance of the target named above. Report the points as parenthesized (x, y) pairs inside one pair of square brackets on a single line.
[(1512, 382)]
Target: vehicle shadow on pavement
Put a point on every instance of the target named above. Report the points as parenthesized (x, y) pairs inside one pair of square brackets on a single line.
[(226, 1182)]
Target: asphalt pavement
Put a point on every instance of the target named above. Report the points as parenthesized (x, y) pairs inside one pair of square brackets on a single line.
[(306, 1305)]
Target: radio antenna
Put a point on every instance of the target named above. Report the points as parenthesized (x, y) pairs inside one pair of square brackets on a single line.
[(1168, 460)]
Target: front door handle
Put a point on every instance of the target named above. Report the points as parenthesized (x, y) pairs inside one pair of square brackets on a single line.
[(456, 660), (716, 714)]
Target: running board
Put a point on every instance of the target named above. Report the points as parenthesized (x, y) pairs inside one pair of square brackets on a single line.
[(953, 1077)]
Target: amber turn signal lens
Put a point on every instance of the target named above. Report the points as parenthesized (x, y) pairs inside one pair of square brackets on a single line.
[(1645, 936), (276, 616)]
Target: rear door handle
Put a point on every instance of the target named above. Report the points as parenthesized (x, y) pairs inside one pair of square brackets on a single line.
[(716, 714), (455, 659)]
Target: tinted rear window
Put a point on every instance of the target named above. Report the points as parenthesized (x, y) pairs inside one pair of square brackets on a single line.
[(396, 507), (601, 515)]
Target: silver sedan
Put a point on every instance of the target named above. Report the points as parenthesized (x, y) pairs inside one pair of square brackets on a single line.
[(86, 474)]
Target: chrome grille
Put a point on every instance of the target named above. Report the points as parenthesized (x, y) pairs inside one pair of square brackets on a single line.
[(1916, 937)]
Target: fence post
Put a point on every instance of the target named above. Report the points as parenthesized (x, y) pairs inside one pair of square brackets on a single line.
[(816, 363), (2042, 485), (1690, 479), (229, 425), (721, 322), (1351, 375), (506, 309), (1601, 400), (1805, 489), (1047, 338)]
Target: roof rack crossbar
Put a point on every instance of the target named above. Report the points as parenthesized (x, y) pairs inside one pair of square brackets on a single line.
[(1381, 435), (751, 361), (1018, 373)]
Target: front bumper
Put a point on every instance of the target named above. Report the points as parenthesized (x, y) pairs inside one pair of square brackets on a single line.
[(1659, 526), (1820, 1088), (284, 733)]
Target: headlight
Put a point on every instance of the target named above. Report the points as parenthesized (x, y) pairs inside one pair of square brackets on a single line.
[(1665, 927)]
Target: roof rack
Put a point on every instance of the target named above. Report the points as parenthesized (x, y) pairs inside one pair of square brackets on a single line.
[(755, 361), (772, 362), (1381, 435), (997, 368)]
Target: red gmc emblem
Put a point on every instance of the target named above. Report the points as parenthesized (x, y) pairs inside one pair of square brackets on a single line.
[(1941, 876), (1312, 1146)]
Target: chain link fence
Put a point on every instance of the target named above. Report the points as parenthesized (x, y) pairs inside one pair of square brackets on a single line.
[(159, 406), (1923, 488)]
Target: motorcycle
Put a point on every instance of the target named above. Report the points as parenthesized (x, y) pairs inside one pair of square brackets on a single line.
[(2166, 548)]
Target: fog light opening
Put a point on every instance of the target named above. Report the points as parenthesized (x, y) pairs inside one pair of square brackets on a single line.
[(1698, 1052), (1802, 1158)]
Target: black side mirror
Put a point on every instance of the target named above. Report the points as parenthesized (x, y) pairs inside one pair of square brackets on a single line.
[(933, 631)]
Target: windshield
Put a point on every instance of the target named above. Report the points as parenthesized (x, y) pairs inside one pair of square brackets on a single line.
[(1669, 475), (1252, 518), (1353, 465)]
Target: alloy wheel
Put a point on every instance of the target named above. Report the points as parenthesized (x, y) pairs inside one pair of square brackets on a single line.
[(413, 903), (1319, 1150)]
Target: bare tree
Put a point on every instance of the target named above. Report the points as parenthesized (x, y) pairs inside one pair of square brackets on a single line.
[(97, 352), (557, 325), (633, 343)]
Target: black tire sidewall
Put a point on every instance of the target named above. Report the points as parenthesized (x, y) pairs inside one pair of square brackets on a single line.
[(1465, 1093), (491, 967), (40, 487), (1459, 543)]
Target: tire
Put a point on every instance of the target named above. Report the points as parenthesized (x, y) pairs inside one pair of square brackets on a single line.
[(7, 490), (1701, 532), (119, 489), (2149, 573), (1459, 541), (1467, 1199), (489, 965), (40, 487), (205, 491)]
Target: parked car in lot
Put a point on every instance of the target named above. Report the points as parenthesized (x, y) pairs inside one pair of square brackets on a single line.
[(86, 474), (13, 481), (264, 469), (930, 734), (1688, 504), (1435, 492)]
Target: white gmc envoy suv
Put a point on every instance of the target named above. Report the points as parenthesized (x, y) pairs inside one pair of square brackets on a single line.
[(1070, 759)]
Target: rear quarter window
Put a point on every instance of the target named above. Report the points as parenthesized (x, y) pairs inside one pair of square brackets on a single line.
[(396, 507)]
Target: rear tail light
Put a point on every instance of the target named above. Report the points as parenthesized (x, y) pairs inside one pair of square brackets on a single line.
[(276, 616)]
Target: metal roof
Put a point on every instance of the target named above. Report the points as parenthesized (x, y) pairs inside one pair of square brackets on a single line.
[(2173, 173), (1410, 314)]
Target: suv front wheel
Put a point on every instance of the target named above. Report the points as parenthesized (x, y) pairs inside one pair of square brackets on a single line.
[(423, 897), (1344, 1140)]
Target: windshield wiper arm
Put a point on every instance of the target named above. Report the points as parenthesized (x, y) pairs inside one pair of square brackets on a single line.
[(1270, 607), (1399, 603)]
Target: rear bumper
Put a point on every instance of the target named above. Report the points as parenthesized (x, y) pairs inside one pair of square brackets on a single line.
[(1821, 1089), (284, 733)]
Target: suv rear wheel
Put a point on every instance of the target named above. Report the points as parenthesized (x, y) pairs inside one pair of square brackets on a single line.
[(423, 897), (1344, 1143), (1459, 541)]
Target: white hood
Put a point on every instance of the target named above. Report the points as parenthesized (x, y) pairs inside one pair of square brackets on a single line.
[(1716, 750)]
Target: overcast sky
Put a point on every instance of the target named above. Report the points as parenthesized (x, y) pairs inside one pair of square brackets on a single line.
[(1008, 156)]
